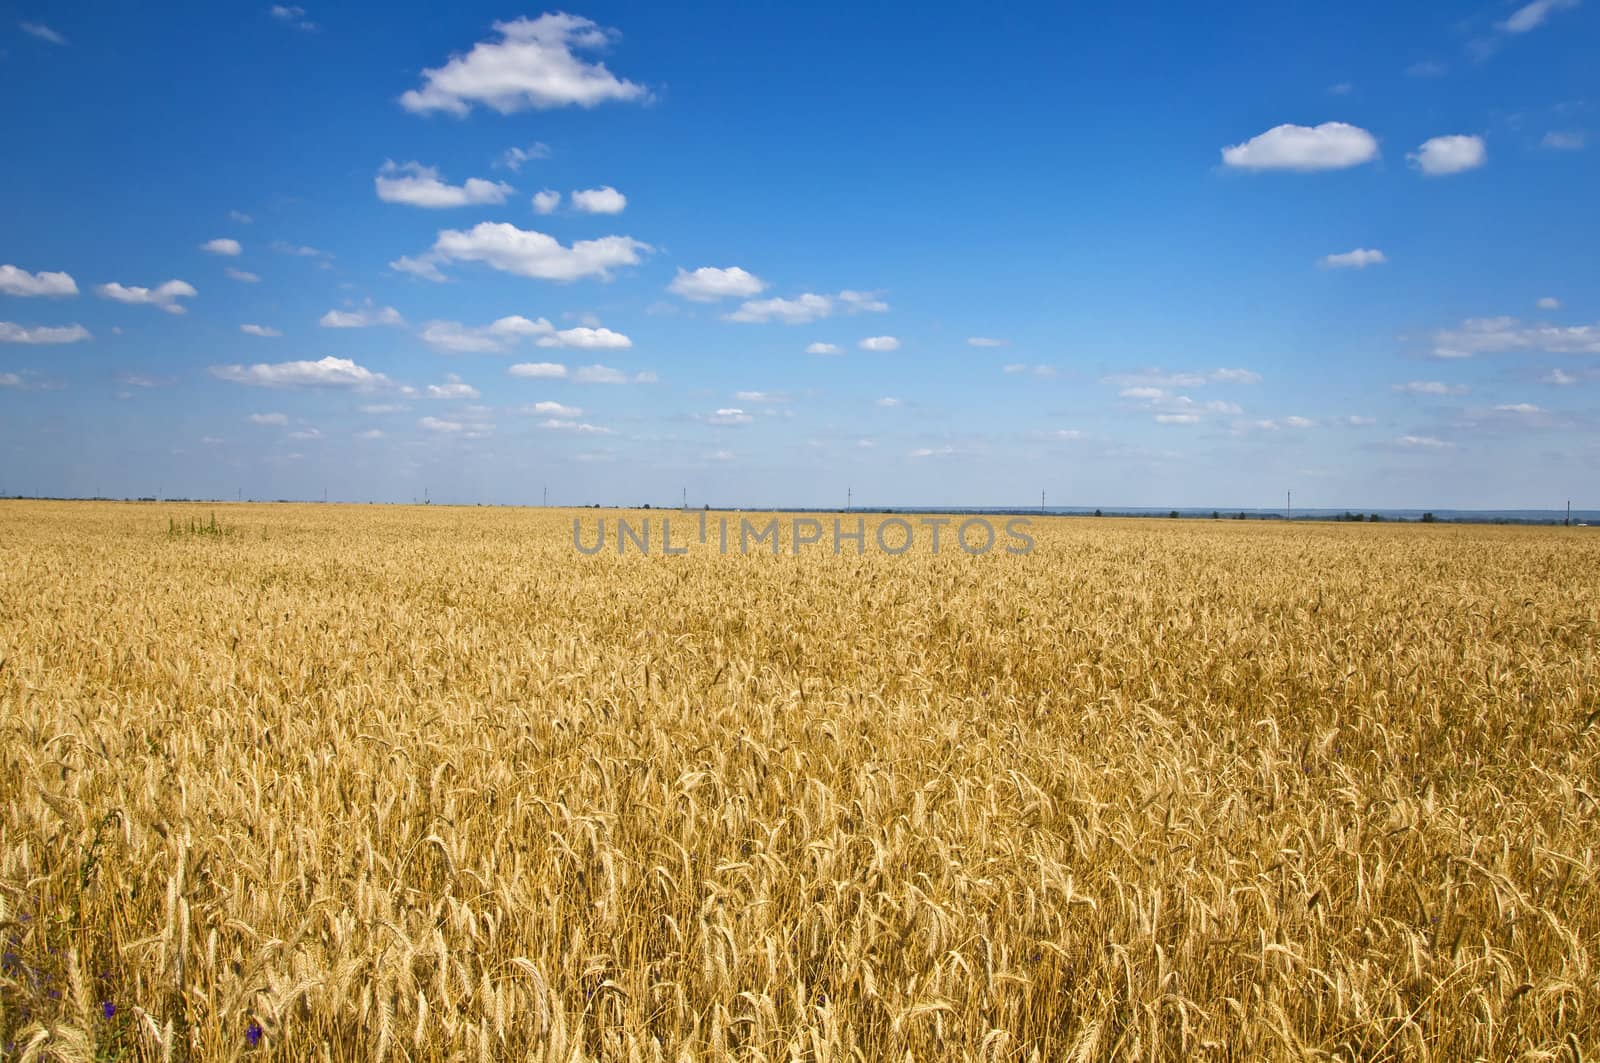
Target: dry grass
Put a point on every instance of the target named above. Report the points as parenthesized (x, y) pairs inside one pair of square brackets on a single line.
[(424, 783)]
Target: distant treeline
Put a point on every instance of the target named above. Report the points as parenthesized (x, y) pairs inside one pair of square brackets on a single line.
[(1372, 517)]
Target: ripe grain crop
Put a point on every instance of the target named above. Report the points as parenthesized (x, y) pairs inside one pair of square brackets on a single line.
[(424, 783)]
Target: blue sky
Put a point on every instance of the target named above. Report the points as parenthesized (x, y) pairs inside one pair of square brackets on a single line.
[(1127, 256)]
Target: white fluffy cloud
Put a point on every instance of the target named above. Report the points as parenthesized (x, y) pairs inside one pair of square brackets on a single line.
[(709, 283), (604, 374), (500, 335), (298, 250), (526, 253), (292, 15), (729, 416), (553, 409), (269, 418), (533, 64), (16, 281), (546, 202), (1549, 302), (880, 343), (889, 402), (1329, 146), (515, 157), (588, 374), (43, 32), (259, 330), (365, 317), (1496, 335), (1430, 387), (797, 311), (984, 341), (222, 245), (1564, 140), (823, 348), (586, 338), (604, 200), (560, 424), (330, 372), (456, 338), (165, 296), (539, 370), (423, 266), (1156, 381), (1441, 156), (31, 380), (43, 334), (1424, 443), (417, 185), (806, 308), (454, 388), (1532, 16), (242, 275), (1360, 258), (1170, 408)]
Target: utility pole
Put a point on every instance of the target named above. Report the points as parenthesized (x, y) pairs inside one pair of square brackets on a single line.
[(847, 499), (685, 498), (546, 501), (1288, 503), (1568, 521)]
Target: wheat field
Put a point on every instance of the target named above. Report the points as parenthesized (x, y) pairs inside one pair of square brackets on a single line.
[(347, 783)]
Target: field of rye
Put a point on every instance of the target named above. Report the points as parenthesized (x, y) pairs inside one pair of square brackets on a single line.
[(348, 783)]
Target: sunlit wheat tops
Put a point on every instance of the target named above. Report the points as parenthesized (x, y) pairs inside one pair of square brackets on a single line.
[(378, 783)]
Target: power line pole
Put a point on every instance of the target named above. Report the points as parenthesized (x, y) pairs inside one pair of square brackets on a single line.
[(685, 498), (1568, 522), (546, 500), (1288, 503)]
